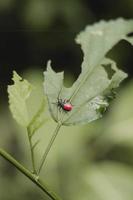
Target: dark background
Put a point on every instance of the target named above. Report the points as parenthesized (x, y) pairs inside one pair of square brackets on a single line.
[(92, 162), (31, 32)]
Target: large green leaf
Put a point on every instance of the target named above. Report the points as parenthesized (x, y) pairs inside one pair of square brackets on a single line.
[(18, 94), (99, 75)]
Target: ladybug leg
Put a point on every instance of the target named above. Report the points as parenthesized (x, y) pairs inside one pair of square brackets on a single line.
[(59, 108), (64, 101), (55, 103), (58, 100)]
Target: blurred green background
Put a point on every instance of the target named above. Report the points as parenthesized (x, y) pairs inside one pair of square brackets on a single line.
[(92, 162)]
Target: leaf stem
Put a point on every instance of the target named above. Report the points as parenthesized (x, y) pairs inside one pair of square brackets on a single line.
[(34, 178), (32, 152), (49, 146)]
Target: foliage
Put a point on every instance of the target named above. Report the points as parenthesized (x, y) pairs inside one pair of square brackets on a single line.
[(18, 95), (90, 95), (90, 91)]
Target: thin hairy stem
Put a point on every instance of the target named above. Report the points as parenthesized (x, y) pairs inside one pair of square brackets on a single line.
[(32, 152), (49, 147)]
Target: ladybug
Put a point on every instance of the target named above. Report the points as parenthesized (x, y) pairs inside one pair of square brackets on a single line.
[(65, 105)]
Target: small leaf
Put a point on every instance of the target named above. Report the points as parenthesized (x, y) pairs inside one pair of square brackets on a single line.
[(89, 94), (18, 94), (38, 120)]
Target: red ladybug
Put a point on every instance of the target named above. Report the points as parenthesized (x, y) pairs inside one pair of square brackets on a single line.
[(65, 105)]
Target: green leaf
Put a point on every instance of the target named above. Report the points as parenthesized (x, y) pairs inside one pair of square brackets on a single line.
[(18, 93), (38, 119), (98, 78)]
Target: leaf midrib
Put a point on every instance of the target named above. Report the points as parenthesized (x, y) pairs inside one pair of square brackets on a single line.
[(87, 75)]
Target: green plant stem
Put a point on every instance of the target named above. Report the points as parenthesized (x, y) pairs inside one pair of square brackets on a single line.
[(49, 147), (32, 152), (34, 178)]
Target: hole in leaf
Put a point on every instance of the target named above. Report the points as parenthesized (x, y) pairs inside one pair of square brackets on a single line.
[(110, 72)]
